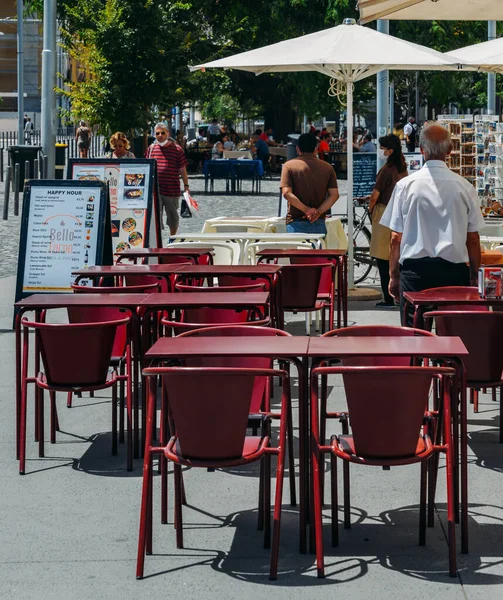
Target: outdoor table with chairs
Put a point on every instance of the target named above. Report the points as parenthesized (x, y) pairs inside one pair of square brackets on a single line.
[(233, 171), (315, 256)]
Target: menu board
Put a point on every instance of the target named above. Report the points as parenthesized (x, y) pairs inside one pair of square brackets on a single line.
[(364, 173), (63, 229), (131, 183)]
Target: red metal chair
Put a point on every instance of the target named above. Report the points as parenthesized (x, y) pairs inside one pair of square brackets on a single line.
[(147, 288), (389, 427), (299, 291), (482, 334), (370, 361), (211, 430), (326, 290), (166, 284), (262, 387), (75, 357)]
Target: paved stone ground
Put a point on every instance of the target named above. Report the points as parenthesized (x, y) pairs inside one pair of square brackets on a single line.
[(211, 205)]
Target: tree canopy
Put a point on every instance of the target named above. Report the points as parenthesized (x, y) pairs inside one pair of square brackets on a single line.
[(135, 56)]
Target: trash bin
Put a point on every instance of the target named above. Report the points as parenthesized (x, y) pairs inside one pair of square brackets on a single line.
[(291, 151), (59, 167), (21, 154)]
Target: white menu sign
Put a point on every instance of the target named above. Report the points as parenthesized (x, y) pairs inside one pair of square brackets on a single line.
[(62, 231)]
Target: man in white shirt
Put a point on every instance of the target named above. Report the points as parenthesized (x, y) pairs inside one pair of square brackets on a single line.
[(434, 215), (410, 133)]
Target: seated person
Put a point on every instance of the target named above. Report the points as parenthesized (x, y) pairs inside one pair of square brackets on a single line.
[(218, 148), (228, 143), (367, 145), (324, 145), (260, 149), (268, 138)]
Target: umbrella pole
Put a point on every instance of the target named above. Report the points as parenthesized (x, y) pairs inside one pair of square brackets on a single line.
[(351, 261)]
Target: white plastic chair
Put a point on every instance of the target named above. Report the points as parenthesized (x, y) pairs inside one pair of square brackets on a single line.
[(223, 253)]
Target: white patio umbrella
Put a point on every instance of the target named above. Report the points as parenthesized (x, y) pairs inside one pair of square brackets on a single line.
[(487, 56), (427, 10), (346, 53)]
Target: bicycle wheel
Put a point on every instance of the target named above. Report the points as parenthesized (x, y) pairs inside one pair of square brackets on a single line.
[(361, 244)]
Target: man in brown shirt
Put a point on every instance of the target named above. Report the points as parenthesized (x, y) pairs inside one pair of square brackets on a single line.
[(310, 187)]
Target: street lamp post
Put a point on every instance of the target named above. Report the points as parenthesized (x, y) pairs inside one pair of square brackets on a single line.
[(48, 85)]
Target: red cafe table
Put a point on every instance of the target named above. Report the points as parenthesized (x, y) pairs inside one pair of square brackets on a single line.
[(421, 302), (338, 256), (289, 348), (272, 273), (450, 350), (192, 255), (42, 302)]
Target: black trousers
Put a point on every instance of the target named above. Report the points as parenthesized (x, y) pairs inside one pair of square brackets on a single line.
[(383, 266), (411, 147), (423, 273)]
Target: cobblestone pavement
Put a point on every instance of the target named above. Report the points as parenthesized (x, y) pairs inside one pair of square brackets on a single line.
[(211, 205)]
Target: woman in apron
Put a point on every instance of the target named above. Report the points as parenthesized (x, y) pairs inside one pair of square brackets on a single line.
[(394, 170)]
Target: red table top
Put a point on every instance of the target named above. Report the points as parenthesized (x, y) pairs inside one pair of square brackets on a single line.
[(253, 346), (203, 299), (102, 270), (202, 270), (420, 346), (449, 297), (64, 300), (282, 252), (141, 252)]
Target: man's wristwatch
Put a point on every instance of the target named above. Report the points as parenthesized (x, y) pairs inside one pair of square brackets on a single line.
[(186, 185)]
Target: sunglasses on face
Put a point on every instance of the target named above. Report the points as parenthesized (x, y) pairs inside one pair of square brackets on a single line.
[(160, 133)]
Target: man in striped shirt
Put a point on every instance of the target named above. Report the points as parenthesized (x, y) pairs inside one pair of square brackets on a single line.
[(171, 163)]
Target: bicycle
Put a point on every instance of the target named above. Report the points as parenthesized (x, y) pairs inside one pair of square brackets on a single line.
[(361, 241)]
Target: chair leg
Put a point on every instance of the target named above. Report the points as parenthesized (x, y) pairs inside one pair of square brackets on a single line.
[(41, 424), (347, 495), (291, 458), (334, 500), (475, 401), (54, 417), (267, 500), (432, 487), (178, 506), (323, 430), (69, 400), (260, 512), (276, 531), (114, 420), (422, 504), (142, 536), (493, 393), (122, 399)]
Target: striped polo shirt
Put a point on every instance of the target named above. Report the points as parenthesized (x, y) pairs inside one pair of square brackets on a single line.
[(170, 159)]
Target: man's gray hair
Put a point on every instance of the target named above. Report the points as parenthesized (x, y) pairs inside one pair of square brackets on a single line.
[(162, 126), (431, 144)]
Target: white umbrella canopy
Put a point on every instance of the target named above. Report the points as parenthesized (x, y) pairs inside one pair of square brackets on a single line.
[(428, 10), (488, 56), (347, 53)]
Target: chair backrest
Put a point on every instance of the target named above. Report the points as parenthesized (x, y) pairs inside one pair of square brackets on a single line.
[(76, 354), (211, 426), (377, 331), (482, 334), (223, 254), (238, 227), (388, 400), (147, 288), (183, 326), (299, 285), (228, 281), (238, 362), (386, 407), (101, 314), (170, 259), (254, 247), (252, 287), (327, 280)]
